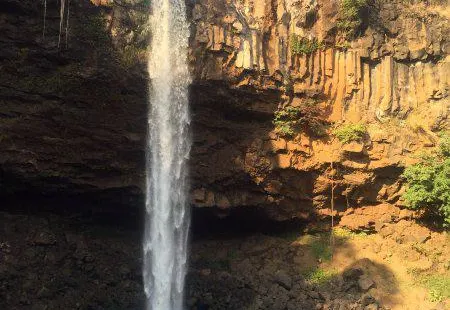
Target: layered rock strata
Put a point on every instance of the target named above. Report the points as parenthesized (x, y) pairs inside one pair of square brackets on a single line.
[(73, 119)]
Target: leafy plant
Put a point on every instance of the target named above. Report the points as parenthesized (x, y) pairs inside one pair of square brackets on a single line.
[(350, 17), (300, 46), (291, 120), (429, 182), (287, 120), (350, 132), (444, 144)]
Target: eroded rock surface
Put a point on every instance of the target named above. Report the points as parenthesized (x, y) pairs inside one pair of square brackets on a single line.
[(73, 117), (391, 78)]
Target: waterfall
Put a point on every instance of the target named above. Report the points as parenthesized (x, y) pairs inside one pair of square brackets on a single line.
[(167, 214)]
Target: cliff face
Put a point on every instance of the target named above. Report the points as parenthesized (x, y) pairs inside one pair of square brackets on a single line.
[(391, 78), (73, 118)]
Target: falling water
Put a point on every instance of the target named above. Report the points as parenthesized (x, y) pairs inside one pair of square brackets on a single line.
[(167, 216)]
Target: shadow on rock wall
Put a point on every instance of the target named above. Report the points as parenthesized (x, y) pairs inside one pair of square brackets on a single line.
[(286, 270), (73, 116), (233, 160)]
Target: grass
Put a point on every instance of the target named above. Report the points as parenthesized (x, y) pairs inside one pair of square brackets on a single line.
[(320, 246), (319, 276), (321, 249), (344, 234), (438, 286)]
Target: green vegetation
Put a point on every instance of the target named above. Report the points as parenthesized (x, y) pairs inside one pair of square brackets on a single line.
[(321, 248), (343, 234), (319, 276), (300, 46), (438, 287), (444, 144), (290, 120), (287, 120), (351, 132), (429, 182), (350, 17)]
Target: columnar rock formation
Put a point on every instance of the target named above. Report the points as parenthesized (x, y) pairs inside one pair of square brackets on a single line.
[(73, 120), (392, 78)]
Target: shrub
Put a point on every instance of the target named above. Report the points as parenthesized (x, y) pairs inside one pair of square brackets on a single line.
[(429, 183), (300, 46), (350, 16), (287, 120), (351, 132), (290, 120)]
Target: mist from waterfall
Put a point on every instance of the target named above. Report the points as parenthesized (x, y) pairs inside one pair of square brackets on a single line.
[(167, 214)]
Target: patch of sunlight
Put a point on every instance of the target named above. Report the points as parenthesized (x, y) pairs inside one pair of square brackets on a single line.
[(343, 233), (438, 286), (319, 276)]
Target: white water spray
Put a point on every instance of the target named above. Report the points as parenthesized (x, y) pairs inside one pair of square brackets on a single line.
[(167, 215)]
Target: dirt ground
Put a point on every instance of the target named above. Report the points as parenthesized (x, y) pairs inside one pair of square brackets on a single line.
[(405, 269), (52, 262), (397, 269)]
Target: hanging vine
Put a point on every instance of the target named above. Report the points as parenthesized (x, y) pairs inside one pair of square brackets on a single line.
[(45, 17), (62, 21), (67, 22)]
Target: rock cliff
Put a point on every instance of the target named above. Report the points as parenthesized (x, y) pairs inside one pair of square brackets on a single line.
[(73, 114)]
